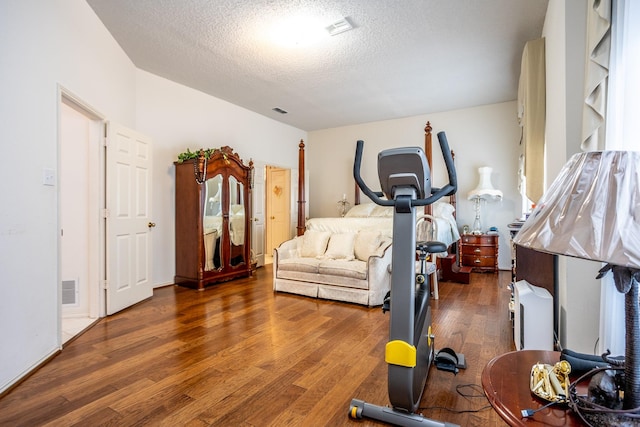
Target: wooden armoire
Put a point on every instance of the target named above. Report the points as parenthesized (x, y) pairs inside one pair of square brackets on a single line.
[(213, 219)]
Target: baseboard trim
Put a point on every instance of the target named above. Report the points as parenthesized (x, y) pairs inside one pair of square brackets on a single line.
[(11, 385)]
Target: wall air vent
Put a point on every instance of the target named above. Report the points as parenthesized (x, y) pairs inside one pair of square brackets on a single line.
[(339, 27), (279, 110), (69, 292)]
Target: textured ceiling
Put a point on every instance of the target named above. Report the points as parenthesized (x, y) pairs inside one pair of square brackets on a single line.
[(403, 58)]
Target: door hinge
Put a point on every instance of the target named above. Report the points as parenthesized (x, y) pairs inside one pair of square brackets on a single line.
[(105, 140), (105, 213), (105, 284)]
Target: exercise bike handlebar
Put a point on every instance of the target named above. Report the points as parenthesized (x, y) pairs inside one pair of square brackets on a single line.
[(436, 193)]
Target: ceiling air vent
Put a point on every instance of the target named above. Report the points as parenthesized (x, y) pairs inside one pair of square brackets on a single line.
[(339, 27), (279, 110)]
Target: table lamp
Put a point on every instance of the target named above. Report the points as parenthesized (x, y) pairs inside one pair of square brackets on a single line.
[(592, 211), (343, 206), (483, 192)]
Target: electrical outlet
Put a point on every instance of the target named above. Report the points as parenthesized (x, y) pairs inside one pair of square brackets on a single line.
[(48, 177)]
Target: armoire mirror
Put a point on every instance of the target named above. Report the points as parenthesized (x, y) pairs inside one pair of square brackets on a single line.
[(236, 221), (212, 223)]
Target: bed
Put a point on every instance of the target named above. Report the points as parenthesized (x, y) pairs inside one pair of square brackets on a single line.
[(440, 225), (439, 219)]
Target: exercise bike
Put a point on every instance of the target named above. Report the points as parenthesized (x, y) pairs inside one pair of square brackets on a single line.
[(405, 181)]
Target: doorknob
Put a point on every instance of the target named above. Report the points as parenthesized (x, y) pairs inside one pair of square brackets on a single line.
[(273, 217), (255, 219), (151, 224)]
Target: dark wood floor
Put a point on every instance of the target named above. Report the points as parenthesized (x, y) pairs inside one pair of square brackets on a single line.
[(237, 354)]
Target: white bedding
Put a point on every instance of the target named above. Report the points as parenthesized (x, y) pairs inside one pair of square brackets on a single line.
[(236, 225), (212, 223), (236, 231), (352, 224), (360, 218)]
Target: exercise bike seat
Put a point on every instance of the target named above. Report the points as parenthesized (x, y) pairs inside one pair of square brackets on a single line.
[(432, 247)]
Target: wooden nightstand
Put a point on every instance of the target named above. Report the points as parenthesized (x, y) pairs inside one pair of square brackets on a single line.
[(479, 251)]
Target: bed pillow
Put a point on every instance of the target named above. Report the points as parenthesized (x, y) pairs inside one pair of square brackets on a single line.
[(366, 244), (314, 243), (341, 246), (360, 211)]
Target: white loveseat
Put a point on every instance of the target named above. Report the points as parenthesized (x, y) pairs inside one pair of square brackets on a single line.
[(344, 266)]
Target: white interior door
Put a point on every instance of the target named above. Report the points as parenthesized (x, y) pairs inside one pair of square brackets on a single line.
[(257, 223), (128, 219)]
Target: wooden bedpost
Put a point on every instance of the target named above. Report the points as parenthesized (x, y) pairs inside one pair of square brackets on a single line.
[(301, 202), (428, 148), (453, 199)]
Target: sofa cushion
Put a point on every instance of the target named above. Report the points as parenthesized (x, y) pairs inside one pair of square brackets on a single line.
[(366, 244), (314, 243), (326, 279), (338, 267), (340, 293), (341, 246), (307, 265)]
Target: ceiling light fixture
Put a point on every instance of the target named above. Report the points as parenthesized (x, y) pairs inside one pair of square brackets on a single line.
[(297, 31), (339, 26)]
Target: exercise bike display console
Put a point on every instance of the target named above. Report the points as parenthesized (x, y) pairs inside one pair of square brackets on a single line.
[(405, 182)]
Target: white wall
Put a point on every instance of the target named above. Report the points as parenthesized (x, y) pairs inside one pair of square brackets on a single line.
[(43, 44), (176, 118), (482, 136), (579, 291)]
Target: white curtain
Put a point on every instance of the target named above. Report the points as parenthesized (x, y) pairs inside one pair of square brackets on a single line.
[(622, 133), (597, 72), (532, 115)]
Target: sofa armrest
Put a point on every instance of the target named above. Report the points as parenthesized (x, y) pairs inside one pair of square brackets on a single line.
[(287, 249), (379, 269)]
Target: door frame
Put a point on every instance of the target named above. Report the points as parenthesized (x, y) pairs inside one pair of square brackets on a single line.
[(258, 214), (97, 178)]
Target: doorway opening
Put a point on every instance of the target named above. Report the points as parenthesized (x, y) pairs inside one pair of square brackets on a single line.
[(81, 260)]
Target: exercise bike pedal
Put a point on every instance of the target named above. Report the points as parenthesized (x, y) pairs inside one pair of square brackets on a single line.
[(448, 360), (386, 302)]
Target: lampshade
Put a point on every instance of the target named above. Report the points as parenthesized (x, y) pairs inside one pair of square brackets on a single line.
[(591, 211), (485, 189)]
